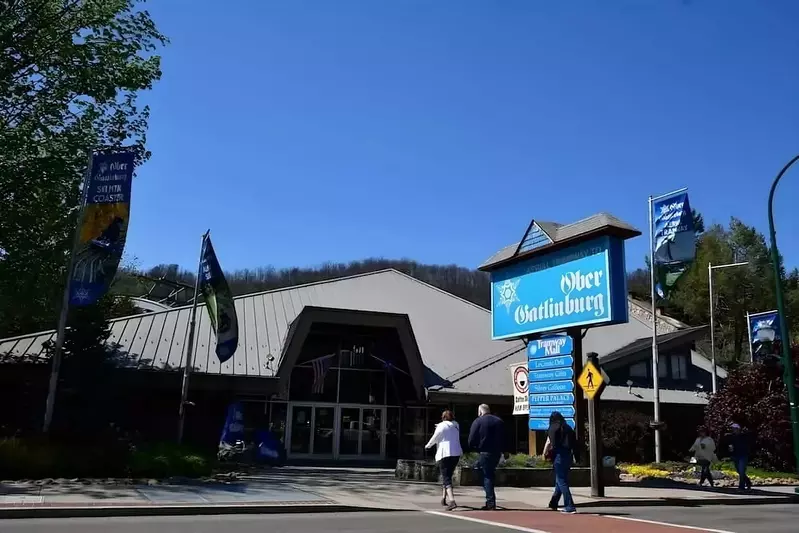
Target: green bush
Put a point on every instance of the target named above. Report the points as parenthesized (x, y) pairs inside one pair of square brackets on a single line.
[(22, 459), (168, 460)]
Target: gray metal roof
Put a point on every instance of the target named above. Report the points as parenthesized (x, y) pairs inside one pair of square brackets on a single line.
[(452, 334), (561, 233)]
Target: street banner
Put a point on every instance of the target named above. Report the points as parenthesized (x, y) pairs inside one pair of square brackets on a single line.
[(233, 429), (521, 402), (675, 240), (219, 302), (103, 226), (764, 335)]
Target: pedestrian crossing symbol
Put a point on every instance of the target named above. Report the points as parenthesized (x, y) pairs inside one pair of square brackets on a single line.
[(591, 381)]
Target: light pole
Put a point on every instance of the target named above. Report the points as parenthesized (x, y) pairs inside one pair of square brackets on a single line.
[(710, 268), (787, 363)]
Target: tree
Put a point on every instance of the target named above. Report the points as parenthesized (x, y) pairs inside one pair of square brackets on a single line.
[(754, 396), (70, 71)]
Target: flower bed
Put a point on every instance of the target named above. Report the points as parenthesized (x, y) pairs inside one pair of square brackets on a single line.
[(723, 473)]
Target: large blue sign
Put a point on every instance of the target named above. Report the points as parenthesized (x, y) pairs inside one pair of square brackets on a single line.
[(542, 424), (574, 287), (764, 335)]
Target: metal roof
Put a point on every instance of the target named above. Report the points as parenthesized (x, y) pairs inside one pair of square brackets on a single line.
[(563, 233), (452, 334), (644, 344)]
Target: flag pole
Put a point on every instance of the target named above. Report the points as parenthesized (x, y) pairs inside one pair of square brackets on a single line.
[(62, 318), (184, 389), (656, 385)]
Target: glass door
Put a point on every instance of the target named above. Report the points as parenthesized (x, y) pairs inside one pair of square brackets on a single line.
[(324, 430), (361, 432), (301, 429), (349, 431)]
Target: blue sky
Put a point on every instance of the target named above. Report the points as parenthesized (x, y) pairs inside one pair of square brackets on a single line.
[(302, 132)]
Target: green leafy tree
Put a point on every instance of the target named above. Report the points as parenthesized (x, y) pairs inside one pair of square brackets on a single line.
[(70, 72)]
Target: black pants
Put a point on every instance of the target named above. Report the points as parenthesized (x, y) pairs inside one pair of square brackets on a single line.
[(447, 466), (705, 473)]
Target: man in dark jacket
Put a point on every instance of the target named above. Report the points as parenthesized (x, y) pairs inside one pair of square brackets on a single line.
[(487, 436), (738, 445)]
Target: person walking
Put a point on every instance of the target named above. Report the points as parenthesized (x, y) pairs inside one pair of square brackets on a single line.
[(738, 447), (561, 446), (447, 440), (704, 450), (487, 436)]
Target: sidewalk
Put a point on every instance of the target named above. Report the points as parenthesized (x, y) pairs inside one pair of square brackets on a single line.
[(297, 489)]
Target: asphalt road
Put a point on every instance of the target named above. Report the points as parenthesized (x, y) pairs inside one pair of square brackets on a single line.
[(736, 519)]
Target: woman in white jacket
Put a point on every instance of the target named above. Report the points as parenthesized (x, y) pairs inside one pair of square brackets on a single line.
[(447, 437)]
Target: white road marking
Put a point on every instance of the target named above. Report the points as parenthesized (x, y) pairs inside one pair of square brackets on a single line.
[(653, 522), (486, 522)]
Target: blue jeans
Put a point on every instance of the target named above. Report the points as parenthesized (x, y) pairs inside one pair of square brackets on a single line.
[(562, 464), (488, 465), (740, 466)]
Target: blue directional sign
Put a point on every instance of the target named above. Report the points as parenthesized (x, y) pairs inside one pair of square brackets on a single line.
[(544, 412), (549, 363), (550, 375), (551, 386), (550, 346), (542, 424), (563, 398)]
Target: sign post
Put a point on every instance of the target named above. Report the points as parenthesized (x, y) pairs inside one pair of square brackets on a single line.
[(592, 383)]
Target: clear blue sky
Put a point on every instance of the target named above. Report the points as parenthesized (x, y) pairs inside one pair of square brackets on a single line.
[(302, 132)]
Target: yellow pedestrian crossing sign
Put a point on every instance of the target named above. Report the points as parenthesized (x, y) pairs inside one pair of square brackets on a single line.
[(591, 380)]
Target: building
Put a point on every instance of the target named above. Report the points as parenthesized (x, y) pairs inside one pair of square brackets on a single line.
[(359, 368)]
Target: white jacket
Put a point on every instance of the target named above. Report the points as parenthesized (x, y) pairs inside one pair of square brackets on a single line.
[(448, 437), (704, 449)]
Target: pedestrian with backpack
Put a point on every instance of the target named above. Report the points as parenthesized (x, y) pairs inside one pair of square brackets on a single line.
[(561, 449)]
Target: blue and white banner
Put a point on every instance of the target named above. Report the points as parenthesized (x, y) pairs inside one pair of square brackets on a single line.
[(550, 375), (552, 399), (764, 335), (537, 387), (219, 303), (675, 238), (578, 286), (233, 429), (567, 411), (550, 363)]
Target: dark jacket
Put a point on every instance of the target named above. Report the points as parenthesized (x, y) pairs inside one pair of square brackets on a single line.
[(487, 434), (741, 445), (563, 440)]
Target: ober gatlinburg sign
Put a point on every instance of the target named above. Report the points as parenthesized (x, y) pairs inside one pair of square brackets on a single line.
[(558, 278)]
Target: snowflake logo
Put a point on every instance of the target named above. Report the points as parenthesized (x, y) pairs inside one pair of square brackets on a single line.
[(81, 294), (507, 293)]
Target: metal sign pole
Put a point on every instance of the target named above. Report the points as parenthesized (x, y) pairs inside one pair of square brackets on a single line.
[(184, 389), (655, 366), (61, 329)]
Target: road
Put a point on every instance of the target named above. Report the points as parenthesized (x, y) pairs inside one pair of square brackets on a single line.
[(734, 519)]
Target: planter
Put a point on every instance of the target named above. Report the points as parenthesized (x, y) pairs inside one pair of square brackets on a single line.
[(533, 477), (414, 470)]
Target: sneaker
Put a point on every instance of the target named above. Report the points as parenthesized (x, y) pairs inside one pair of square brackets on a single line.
[(552, 507), (488, 508), (568, 511), (452, 506)]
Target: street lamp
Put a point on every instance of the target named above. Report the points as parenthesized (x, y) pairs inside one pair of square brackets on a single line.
[(787, 363), (710, 269)]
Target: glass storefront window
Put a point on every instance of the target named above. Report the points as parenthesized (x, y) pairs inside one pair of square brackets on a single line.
[(277, 420), (364, 387), (301, 387)]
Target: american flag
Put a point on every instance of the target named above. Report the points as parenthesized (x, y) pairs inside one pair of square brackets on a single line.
[(320, 368)]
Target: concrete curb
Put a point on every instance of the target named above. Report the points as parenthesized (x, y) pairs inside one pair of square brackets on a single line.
[(97, 511), (686, 502)]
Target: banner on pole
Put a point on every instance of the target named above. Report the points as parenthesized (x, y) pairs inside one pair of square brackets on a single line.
[(219, 303), (764, 335), (233, 429), (103, 226), (521, 402), (675, 240)]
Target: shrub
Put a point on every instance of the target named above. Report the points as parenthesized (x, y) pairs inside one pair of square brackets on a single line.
[(626, 435), (22, 459), (754, 396), (167, 460)]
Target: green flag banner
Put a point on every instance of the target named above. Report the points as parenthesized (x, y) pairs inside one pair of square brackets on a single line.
[(219, 303)]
